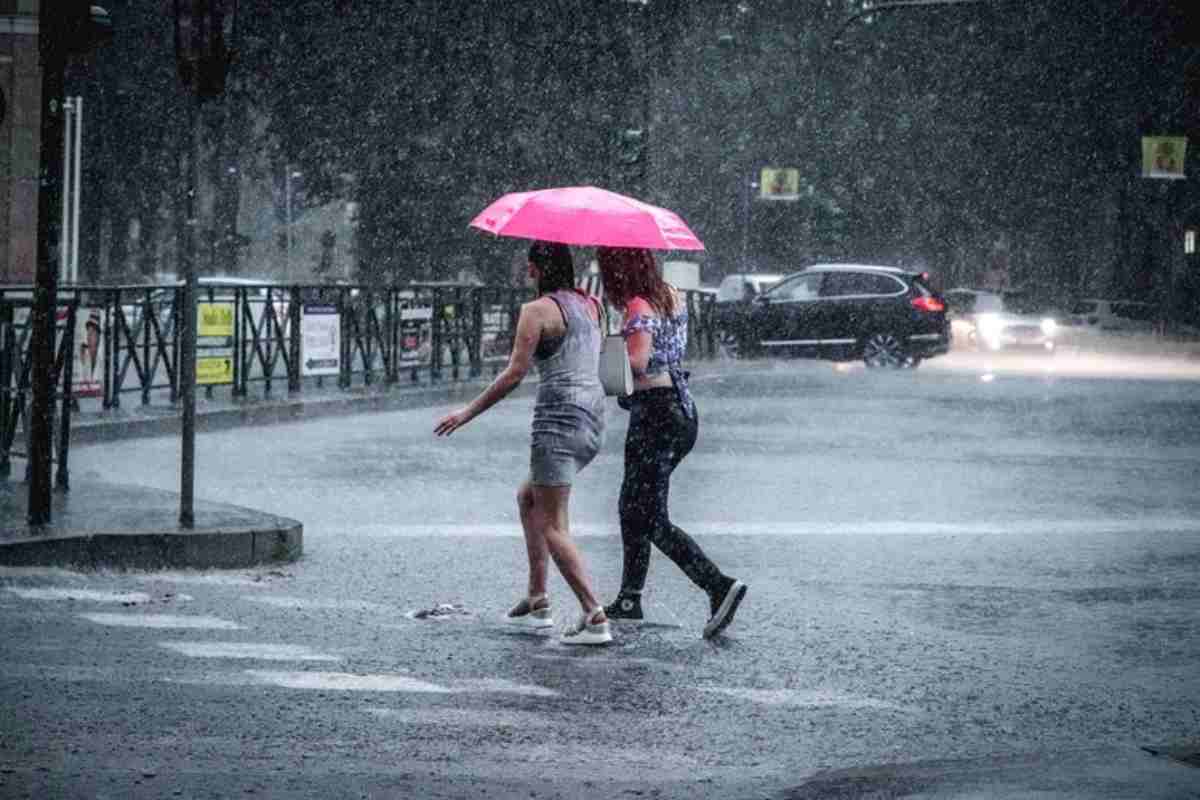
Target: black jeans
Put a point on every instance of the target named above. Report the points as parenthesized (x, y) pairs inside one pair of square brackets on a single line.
[(660, 435)]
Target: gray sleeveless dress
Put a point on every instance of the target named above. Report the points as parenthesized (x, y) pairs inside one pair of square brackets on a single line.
[(568, 418)]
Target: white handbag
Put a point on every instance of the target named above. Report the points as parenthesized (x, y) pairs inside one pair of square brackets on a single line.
[(616, 375)]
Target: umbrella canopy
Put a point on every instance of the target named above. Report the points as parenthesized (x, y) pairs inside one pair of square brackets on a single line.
[(586, 216)]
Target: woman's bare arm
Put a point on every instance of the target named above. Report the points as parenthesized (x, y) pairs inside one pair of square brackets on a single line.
[(525, 341)]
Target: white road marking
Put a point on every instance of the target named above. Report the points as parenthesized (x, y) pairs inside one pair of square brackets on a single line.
[(134, 620), (285, 601), (254, 650), (259, 582), (86, 595), (342, 681), (814, 698), (498, 685)]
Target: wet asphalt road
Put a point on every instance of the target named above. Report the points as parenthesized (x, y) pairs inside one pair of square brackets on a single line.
[(956, 575)]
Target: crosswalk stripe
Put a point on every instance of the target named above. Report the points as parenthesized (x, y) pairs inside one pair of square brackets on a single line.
[(335, 681), (811, 698), (83, 595), (250, 650), (162, 621)]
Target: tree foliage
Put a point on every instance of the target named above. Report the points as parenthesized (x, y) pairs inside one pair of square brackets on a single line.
[(959, 137)]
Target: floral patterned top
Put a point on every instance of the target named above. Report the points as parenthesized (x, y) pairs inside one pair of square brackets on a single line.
[(668, 344)]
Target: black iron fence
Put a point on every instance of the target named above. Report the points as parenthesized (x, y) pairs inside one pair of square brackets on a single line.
[(257, 338), (15, 380)]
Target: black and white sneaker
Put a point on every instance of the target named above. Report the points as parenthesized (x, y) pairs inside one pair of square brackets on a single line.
[(724, 608), (626, 608)]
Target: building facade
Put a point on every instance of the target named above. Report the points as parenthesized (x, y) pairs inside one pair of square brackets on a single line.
[(20, 125)]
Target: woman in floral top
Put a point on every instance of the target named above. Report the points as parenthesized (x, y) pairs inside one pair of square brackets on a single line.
[(663, 426)]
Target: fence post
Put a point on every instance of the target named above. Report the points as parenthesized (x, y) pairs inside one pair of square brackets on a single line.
[(475, 348), (344, 378), (6, 398), (62, 477), (392, 365), (294, 309), (435, 336)]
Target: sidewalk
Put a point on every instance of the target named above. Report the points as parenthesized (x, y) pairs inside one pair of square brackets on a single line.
[(101, 525)]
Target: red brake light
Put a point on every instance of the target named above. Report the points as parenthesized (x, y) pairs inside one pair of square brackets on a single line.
[(928, 304)]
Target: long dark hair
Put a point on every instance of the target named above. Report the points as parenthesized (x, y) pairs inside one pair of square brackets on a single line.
[(630, 272), (555, 264)]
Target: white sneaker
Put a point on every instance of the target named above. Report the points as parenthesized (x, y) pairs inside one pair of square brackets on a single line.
[(531, 613), (587, 632)]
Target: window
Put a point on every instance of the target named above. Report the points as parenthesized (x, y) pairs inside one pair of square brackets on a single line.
[(1141, 312), (802, 287), (843, 284)]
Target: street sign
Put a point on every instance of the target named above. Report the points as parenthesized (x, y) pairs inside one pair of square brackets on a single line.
[(320, 340), (779, 184), (214, 343)]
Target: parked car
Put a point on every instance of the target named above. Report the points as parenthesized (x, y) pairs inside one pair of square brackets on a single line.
[(883, 315), (1126, 316), (1006, 320), (734, 292)]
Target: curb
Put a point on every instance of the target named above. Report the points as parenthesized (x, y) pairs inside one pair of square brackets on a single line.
[(113, 425), (98, 525)]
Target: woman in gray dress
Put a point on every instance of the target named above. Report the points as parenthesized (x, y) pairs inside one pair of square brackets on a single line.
[(560, 333)]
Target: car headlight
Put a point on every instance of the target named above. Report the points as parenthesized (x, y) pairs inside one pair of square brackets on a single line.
[(989, 325), (1049, 327)]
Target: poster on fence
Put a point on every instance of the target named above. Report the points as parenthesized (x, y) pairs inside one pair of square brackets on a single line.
[(320, 340), (416, 333), (214, 343), (87, 368)]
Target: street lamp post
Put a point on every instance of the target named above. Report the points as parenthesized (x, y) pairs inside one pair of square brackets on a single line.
[(204, 31), (64, 28)]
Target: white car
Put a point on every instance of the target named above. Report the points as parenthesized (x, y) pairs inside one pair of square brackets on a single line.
[(987, 320), (1119, 316)]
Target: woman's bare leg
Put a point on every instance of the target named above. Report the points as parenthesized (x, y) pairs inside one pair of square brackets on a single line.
[(548, 515), (535, 541)]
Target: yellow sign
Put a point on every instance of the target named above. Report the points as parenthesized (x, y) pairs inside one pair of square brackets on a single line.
[(779, 184), (1162, 156), (216, 319), (214, 369)]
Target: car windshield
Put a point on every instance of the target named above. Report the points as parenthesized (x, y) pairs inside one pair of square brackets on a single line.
[(1084, 307), (1026, 303)]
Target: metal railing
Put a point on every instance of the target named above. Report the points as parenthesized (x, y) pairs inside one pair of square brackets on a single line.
[(16, 363), (255, 338)]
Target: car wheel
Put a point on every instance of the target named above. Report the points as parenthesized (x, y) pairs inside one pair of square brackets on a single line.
[(885, 350)]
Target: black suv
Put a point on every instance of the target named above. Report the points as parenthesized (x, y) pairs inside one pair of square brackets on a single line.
[(883, 315)]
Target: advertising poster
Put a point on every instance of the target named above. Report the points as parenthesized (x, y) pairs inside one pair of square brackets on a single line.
[(1163, 157), (416, 331), (87, 373), (320, 340), (214, 343)]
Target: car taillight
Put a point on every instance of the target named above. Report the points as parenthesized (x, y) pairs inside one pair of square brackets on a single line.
[(928, 304)]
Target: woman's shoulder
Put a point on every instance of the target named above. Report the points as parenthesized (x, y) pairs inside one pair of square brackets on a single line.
[(640, 307)]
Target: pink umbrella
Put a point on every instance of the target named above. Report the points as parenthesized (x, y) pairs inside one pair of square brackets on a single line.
[(586, 216)]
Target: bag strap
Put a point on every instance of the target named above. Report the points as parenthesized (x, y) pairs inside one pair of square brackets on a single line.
[(605, 320)]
